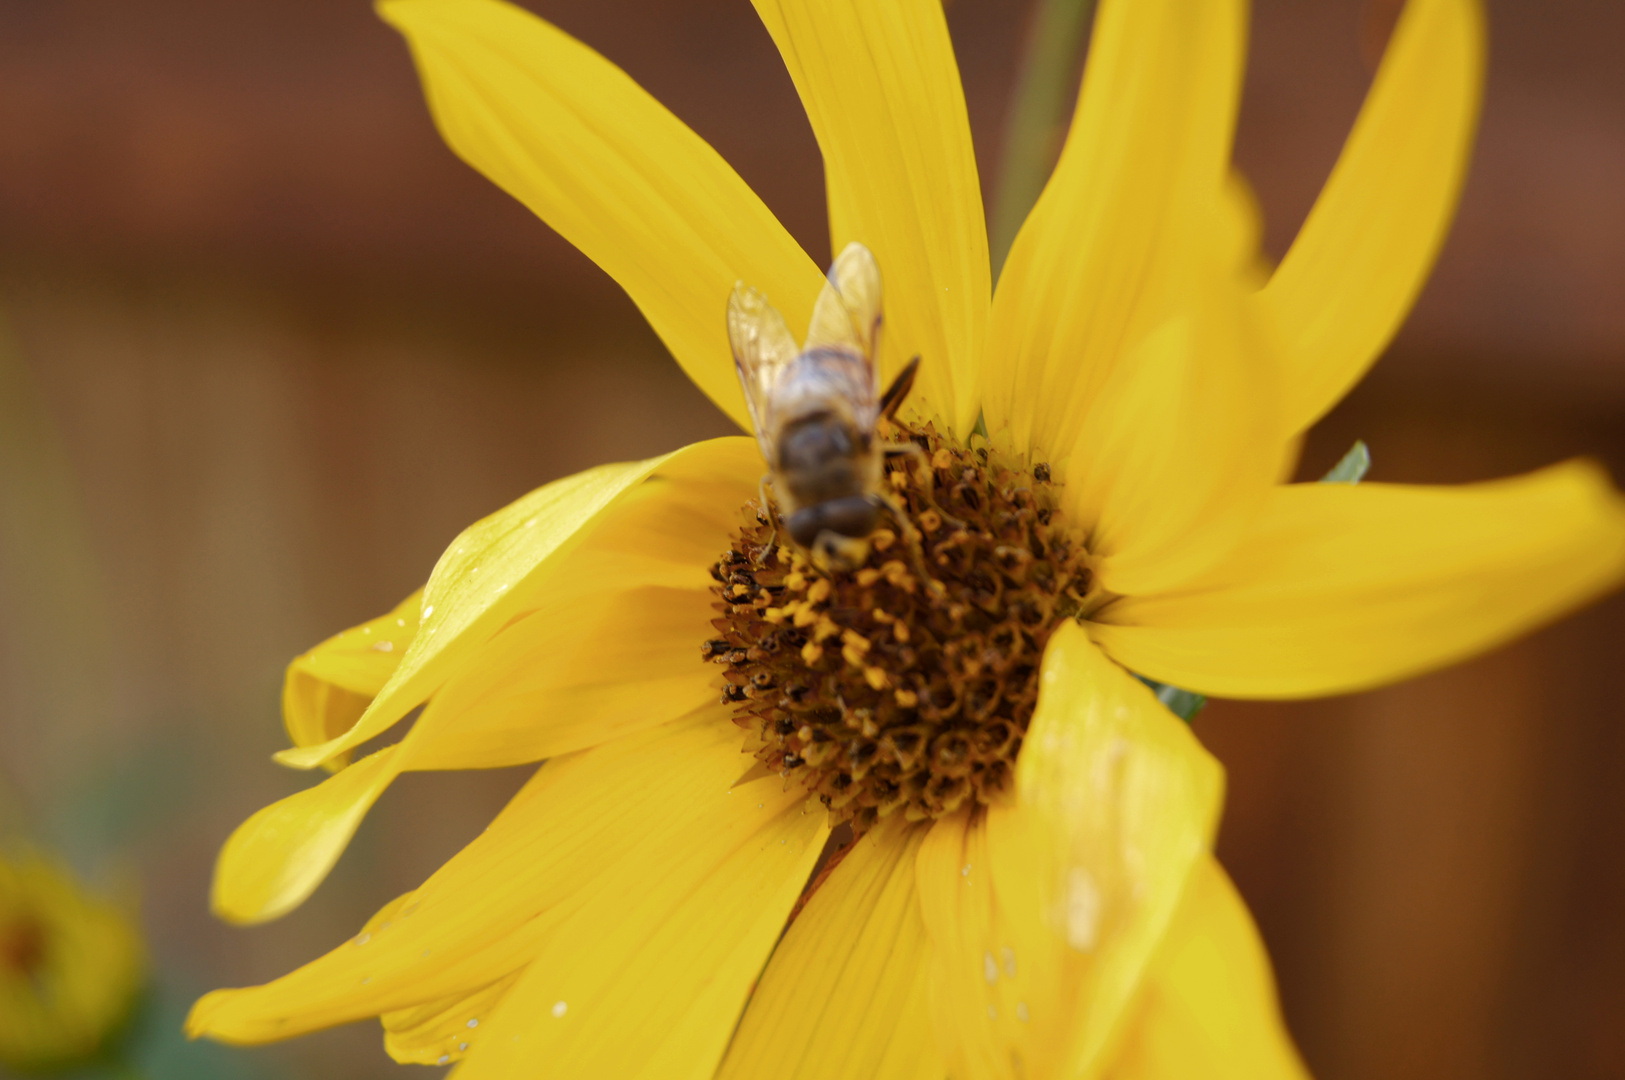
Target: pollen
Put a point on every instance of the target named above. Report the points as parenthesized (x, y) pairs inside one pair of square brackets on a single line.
[(905, 684)]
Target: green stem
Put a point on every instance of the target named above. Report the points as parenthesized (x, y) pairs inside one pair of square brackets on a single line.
[(1035, 128)]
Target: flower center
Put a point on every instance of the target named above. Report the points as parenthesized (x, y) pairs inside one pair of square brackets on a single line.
[(22, 947), (907, 683)]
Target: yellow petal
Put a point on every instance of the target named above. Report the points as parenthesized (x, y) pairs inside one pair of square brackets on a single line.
[(1344, 588), (1184, 448), (328, 688), (279, 855), (845, 994), (596, 850), (606, 165), (493, 569), (1145, 164), (881, 88), (607, 643), (564, 678), (1209, 1007), (649, 973), (1366, 247), (437, 1032), (612, 643), (400, 961), (1045, 914)]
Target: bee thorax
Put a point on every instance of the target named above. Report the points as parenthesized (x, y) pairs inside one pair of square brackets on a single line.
[(822, 459)]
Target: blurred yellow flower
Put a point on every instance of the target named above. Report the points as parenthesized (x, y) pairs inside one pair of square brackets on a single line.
[(1030, 891), (71, 967)]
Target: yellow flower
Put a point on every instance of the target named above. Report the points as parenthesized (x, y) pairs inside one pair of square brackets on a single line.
[(71, 966), (639, 908)]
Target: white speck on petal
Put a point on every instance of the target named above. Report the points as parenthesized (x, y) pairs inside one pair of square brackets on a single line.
[(428, 611), (362, 939), (1082, 909), (992, 1013), (473, 1023), (443, 1059), (1009, 956), (965, 870), (560, 1008), (461, 1047), (1021, 1011), (990, 968), (383, 646), (400, 622)]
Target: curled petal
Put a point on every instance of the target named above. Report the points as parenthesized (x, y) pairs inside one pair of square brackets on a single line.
[(328, 688)]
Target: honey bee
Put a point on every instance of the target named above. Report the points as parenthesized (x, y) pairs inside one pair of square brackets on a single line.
[(816, 409)]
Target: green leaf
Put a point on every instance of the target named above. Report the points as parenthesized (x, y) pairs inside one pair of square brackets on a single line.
[(1182, 703), (1352, 469)]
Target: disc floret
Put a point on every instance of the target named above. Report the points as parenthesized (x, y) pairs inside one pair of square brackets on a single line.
[(906, 683)]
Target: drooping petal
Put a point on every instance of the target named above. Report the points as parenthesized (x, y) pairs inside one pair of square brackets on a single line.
[(606, 165), (1175, 464), (1343, 588), (881, 88), (596, 846), (328, 688), (1046, 914), (1144, 171), (845, 994), (607, 643), (1209, 1007), (1354, 270), (494, 569), (276, 858)]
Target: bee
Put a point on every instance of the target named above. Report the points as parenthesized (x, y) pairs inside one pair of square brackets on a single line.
[(816, 409)]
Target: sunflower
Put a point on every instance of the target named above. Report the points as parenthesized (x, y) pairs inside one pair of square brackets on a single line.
[(919, 816), (71, 968)]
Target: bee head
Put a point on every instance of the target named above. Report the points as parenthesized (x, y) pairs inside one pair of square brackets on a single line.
[(852, 517)]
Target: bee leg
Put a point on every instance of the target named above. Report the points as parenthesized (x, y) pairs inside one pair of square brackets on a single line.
[(927, 473), (899, 388), (772, 516), (911, 535)]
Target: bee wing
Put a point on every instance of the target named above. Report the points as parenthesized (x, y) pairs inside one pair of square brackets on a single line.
[(763, 351), (844, 336)]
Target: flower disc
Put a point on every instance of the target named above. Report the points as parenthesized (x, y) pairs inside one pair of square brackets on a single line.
[(907, 683)]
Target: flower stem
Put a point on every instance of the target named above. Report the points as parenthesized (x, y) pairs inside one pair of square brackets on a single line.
[(1036, 122)]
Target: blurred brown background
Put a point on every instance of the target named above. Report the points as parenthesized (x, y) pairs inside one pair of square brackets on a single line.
[(271, 346)]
